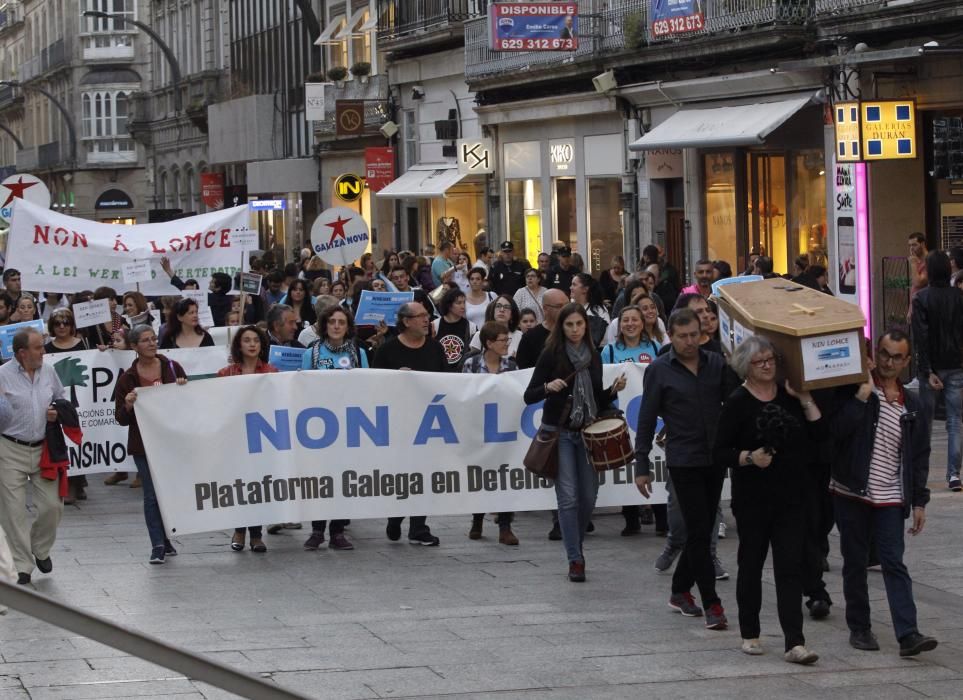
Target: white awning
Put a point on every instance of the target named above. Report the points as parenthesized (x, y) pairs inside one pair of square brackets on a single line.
[(355, 20), (328, 32), (712, 127), (423, 182), (370, 24)]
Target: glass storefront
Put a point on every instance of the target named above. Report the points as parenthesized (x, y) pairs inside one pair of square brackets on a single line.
[(525, 218), (565, 212), (775, 206), (605, 225)]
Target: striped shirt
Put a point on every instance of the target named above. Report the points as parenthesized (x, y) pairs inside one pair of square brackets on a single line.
[(884, 487)]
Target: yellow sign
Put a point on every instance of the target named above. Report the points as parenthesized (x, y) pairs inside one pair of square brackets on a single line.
[(846, 118), (889, 129), (348, 187)]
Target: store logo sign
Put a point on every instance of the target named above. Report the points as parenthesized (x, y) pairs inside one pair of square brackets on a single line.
[(877, 130), (475, 156), (349, 187), (562, 156)]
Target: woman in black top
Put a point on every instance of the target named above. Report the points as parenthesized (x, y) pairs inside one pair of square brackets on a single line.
[(570, 367), (183, 330), (765, 435), (452, 329)]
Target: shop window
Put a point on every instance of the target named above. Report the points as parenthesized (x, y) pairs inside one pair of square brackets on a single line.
[(459, 215), (766, 181), (565, 212), (525, 218), (808, 209), (720, 176), (605, 223)]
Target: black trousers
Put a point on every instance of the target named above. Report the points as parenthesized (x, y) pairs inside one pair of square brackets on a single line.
[(697, 490), (784, 527), (416, 523), (337, 526), (819, 523)]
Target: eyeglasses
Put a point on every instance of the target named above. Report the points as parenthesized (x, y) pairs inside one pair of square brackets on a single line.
[(504, 307), (421, 315), (764, 362), (504, 339), (62, 323), (884, 356)]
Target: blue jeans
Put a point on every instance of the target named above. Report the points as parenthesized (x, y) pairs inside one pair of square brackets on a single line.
[(857, 523), (576, 487), (152, 514), (953, 398)]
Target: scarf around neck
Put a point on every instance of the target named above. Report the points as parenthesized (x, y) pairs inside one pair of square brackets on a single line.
[(346, 348), (584, 409)]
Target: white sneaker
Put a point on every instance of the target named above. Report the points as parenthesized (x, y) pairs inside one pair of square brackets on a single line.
[(753, 647), (801, 655), (722, 529)]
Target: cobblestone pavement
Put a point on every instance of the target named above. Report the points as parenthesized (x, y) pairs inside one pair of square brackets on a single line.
[(469, 619)]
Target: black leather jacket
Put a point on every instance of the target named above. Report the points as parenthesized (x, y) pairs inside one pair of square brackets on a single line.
[(853, 426), (938, 328)]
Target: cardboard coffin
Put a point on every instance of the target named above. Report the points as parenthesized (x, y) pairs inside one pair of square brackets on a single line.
[(819, 338)]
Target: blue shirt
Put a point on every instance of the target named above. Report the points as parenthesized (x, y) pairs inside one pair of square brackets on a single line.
[(440, 266), (331, 360), (617, 353)]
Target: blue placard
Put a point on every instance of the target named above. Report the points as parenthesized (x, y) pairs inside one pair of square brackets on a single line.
[(268, 204), (7, 333), (286, 359), (375, 307)]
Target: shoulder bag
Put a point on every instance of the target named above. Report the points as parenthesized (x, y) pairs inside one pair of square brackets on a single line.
[(542, 455)]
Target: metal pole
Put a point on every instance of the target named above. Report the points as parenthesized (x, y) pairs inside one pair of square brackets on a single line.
[(165, 49), (143, 646)]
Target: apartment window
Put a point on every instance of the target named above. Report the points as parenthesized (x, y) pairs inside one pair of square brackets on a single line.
[(127, 8), (105, 123), (411, 138)]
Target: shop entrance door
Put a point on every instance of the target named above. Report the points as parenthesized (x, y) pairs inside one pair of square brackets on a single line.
[(564, 212), (675, 239), (766, 181)]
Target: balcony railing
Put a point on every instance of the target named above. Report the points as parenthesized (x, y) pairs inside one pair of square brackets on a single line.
[(611, 26), (398, 19), (110, 151), (10, 14), (844, 6), (7, 96), (374, 94), (27, 159), (108, 46), (30, 69), (56, 54)]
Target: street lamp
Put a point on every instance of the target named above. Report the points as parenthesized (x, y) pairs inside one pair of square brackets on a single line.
[(165, 49), (68, 118)]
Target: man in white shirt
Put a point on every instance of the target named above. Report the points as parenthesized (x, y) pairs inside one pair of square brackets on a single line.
[(31, 387)]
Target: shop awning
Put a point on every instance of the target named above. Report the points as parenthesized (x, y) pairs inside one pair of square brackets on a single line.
[(423, 182), (713, 127)]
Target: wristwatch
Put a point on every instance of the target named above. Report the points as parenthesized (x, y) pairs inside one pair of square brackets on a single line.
[(749, 462)]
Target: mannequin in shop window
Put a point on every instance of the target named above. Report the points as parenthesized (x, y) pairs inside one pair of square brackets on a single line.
[(450, 230)]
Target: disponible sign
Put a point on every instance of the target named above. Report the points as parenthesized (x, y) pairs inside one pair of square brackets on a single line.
[(670, 17), (533, 26)]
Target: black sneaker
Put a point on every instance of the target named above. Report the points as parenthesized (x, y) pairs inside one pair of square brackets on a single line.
[(818, 609), (954, 484), (915, 643), (157, 555), (424, 538), (45, 565), (393, 531), (555, 534), (864, 640), (23, 579)]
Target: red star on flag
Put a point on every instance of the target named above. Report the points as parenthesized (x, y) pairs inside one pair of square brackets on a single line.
[(338, 229), (16, 189)]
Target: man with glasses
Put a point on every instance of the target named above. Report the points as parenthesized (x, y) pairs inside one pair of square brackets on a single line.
[(412, 349), (31, 387), (880, 466)]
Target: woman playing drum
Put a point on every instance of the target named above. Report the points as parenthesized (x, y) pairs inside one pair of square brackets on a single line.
[(568, 377)]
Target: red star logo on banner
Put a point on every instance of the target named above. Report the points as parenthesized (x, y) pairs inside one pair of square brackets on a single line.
[(16, 189), (338, 229)]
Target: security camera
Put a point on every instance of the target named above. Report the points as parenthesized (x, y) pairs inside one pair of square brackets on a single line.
[(388, 129), (417, 92), (605, 82), (861, 47)]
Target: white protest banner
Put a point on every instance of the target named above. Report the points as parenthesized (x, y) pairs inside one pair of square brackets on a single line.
[(90, 313), (205, 317), (245, 239), (136, 271), (89, 377), (199, 296), (59, 253), (314, 445)]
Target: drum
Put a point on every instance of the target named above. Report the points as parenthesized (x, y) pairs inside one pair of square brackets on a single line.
[(608, 444)]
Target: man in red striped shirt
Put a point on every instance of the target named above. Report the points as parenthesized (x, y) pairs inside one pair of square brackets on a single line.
[(881, 463)]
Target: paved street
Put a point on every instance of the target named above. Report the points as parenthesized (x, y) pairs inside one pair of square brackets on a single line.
[(468, 619)]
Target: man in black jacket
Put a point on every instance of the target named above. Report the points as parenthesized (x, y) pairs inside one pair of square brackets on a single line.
[(880, 465), (507, 275), (938, 333)]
